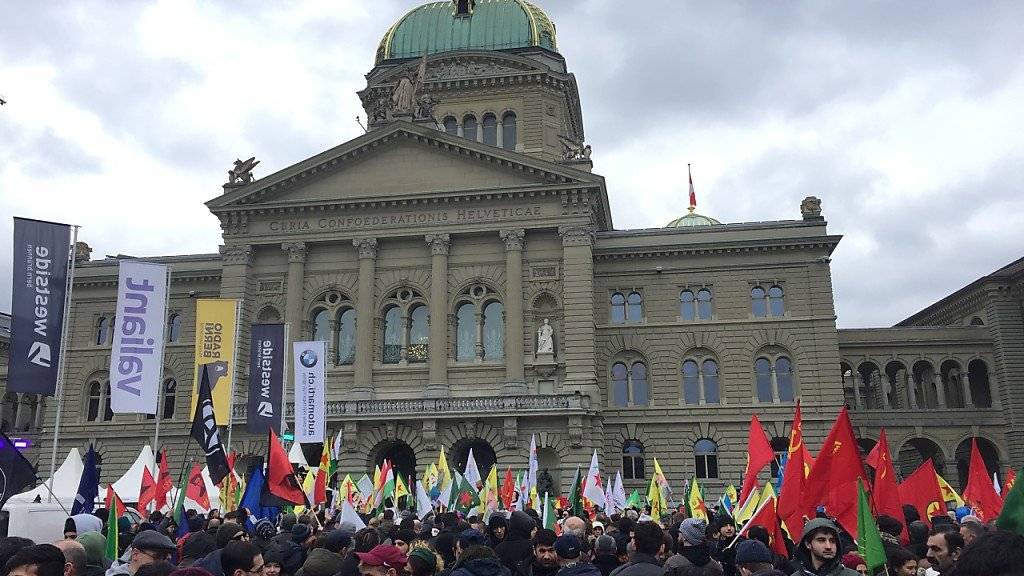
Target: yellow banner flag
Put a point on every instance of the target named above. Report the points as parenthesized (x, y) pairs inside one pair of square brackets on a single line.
[(695, 502), (215, 344), (948, 494)]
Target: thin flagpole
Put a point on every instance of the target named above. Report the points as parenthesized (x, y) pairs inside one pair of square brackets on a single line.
[(285, 377), (159, 411), (234, 369), (63, 363)]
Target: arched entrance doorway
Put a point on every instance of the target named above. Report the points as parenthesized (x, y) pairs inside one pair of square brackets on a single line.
[(401, 455), (963, 460), (915, 451), (483, 454)]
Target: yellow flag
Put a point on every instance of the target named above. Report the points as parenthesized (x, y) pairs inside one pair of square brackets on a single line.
[(445, 471), (489, 497), (347, 488), (215, 344), (654, 499), (696, 502), (400, 488), (948, 494), (746, 511), (308, 484), (730, 491)]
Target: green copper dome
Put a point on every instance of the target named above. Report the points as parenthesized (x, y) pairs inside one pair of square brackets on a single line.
[(481, 25), (692, 220)]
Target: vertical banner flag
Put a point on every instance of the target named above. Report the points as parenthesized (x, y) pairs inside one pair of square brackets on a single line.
[(137, 355), (42, 252), (215, 346), (310, 410), (266, 378)]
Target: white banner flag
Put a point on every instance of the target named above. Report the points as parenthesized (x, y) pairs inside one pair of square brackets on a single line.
[(137, 354), (310, 409)]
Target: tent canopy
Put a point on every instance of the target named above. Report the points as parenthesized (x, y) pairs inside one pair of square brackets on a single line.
[(65, 480), (128, 486)]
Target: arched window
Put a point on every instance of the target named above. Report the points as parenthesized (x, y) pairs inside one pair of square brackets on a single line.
[(108, 412), (977, 321), (392, 335), (268, 315), (174, 328), (634, 307), (618, 311), (92, 413), (620, 385), (709, 374), (465, 332), (469, 127), (763, 378), (633, 460), (451, 126), (490, 127), (494, 331), (419, 334), (775, 302), (981, 391), (700, 382), (638, 384), (691, 382), (102, 331), (508, 131), (705, 459), (321, 325), (704, 304), (687, 307), (170, 395), (346, 336), (758, 303), (773, 379), (629, 383)]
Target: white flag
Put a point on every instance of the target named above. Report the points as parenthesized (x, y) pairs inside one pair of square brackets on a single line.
[(472, 472), (531, 483), (348, 514), (619, 491), (310, 408), (995, 483), (137, 353), (544, 517), (336, 448), (593, 489), (423, 504)]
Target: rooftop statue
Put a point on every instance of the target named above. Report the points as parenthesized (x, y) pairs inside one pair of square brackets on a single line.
[(242, 172)]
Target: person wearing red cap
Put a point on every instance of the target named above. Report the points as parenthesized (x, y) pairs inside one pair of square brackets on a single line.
[(382, 560)]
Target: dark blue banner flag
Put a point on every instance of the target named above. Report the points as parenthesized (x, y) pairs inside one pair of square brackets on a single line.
[(88, 486), (266, 378), (42, 252), (16, 473)]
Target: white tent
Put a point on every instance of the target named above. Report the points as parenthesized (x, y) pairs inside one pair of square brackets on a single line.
[(128, 486), (65, 481), (295, 455)]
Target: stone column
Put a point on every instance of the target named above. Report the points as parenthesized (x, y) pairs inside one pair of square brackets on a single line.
[(965, 381), (236, 282), (855, 376), (578, 304), (883, 400), (515, 380), (293, 297), (437, 383), (362, 388), (912, 390)]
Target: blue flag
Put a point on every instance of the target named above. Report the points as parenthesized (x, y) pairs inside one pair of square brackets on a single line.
[(782, 470), (251, 499), (88, 486)]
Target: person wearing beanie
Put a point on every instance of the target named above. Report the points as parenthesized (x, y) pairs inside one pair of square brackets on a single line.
[(569, 549), (95, 544), (228, 533), (263, 534), (423, 562), (295, 550), (404, 539), (468, 538), (753, 558), (817, 553), (605, 557), (856, 562), (337, 541), (693, 555), (320, 562), (382, 560), (517, 547), (287, 522), (497, 527)]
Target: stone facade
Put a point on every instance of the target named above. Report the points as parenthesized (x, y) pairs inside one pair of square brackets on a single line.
[(417, 214)]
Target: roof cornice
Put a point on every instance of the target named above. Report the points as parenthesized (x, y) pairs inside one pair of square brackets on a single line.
[(724, 246)]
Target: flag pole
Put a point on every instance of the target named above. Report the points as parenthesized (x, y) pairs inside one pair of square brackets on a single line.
[(159, 414), (63, 362), (285, 377), (234, 370), (54, 496)]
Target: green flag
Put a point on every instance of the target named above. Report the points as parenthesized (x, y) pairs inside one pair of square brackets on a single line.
[(465, 496), (635, 500), (575, 500), (549, 512), (1012, 516), (110, 551), (869, 541)]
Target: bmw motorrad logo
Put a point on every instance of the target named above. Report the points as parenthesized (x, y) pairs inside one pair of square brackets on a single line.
[(308, 358)]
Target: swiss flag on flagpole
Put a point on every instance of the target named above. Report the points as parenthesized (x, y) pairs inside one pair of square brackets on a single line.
[(693, 194)]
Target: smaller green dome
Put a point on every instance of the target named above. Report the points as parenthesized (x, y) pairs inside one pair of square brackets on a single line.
[(692, 220)]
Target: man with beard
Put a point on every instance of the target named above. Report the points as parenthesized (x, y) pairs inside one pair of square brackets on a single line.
[(818, 551), (544, 561), (944, 548)]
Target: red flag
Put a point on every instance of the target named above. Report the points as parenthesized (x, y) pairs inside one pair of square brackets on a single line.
[(921, 490), (759, 455), (320, 483), (833, 479), (281, 480), (872, 458), (885, 494), (164, 483), (767, 518), (196, 490), (113, 500), (791, 507), (980, 493), (147, 492), (508, 489), (693, 194)]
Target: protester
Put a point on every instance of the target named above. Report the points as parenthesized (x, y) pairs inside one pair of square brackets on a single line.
[(569, 549), (753, 558), (944, 548), (478, 560), (971, 529), (543, 560), (517, 546), (693, 554), (95, 544), (817, 553), (81, 524), (605, 557), (320, 562), (196, 545), (902, 562), (148, 546), (363, 541), (272, 561), (725, 545), (649, 541), (75, 558), (855, 562), (997, 553), (497, 527), (36, 560), (240, 558), (422, 561), (382, 560), (468, 538)]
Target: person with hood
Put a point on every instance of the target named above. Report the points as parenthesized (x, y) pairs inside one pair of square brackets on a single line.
[(648, 542), (543, 561), (294, 551), (817, 553), (320, 562), (517, 545), (569, 548), (95, 544), (605, 557), (693, 554), (478, 560), (80, 524), (497, 527), (753, 558)]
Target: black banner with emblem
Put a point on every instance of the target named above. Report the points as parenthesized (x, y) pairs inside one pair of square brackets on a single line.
[(266, 378)]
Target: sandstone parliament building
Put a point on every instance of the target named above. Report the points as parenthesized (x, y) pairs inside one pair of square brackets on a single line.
[(429, 251)]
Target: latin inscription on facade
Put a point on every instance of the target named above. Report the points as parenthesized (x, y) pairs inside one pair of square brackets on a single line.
[(362, 223)]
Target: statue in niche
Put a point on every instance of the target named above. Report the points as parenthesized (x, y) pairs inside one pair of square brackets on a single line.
[(404, 98), (545, 483), (545, 343)]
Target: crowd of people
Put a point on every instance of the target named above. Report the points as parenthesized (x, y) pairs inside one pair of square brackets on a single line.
[(506, 544)]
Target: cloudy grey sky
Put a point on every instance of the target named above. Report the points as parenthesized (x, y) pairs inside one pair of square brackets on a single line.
[(903, 117)]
